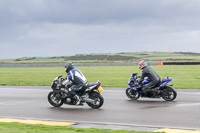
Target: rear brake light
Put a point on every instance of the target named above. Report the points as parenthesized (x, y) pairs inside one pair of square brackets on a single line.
[(99, 85)]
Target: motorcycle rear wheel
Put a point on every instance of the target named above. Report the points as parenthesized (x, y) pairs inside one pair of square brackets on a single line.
[(54, 99), (168, 93), (98, 100), (132, 94)]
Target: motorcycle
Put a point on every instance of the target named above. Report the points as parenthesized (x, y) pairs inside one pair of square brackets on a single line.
[(134, 90), (90, 94)]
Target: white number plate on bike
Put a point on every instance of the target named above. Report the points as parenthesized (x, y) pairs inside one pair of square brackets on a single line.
[(100, 89)]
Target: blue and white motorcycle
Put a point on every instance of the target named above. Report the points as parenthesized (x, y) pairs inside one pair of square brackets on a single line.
[(134, 91)]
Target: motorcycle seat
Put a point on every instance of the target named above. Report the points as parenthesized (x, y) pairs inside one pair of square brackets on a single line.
[(91, 84)]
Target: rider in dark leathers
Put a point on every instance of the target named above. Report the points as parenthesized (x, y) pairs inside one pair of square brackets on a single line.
[(75, 81), (153, 77)]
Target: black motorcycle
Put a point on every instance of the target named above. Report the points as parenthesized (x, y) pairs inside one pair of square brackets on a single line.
[(162, 89), (90, 94)]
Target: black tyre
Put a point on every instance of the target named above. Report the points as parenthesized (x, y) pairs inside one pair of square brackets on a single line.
[(132, 94), (98, 100), (168, 93), (55, 99)]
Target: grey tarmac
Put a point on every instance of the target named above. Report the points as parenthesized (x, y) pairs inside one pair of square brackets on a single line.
[(118, 111)]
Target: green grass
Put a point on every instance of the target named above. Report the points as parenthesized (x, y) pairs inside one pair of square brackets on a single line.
[(184, 76), (27, 128)]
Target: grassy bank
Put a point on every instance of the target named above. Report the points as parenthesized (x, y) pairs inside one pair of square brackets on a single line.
[(111, 57), (184, 77), (27, 128)]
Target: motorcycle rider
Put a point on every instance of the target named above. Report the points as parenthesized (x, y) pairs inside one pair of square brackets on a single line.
[(75, 81), (153, 77)]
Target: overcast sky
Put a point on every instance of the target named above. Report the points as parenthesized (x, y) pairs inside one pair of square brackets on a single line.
[(30, 28)]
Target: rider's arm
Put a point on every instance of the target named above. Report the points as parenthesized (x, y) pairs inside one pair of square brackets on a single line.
[(65, 81), (142, 77), (68, 79)]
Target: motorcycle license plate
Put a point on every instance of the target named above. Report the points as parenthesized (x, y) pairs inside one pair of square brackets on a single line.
[(100, 89)]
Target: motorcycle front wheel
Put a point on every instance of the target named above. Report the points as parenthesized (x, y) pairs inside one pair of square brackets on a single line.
[(168, 93), (55, 99), (132, 94), (98, 100)]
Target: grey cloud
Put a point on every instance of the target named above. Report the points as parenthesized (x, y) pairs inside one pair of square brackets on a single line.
[(95, 11), (66, 27)]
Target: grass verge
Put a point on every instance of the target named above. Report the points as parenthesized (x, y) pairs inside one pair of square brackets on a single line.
[(184, 76), (29, 128)]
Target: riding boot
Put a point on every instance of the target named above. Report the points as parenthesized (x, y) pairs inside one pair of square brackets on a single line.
[(78, 99), (147, 93), (144, 94)]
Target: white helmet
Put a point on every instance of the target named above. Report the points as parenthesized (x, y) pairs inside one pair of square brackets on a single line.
[(142, 64)]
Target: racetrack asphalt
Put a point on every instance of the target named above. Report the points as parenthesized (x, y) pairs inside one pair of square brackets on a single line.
[(118, 112)]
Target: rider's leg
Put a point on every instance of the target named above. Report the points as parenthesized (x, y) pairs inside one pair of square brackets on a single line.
[(147, 88), (73, 90)]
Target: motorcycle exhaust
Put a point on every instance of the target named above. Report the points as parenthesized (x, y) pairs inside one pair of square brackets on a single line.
[(88, 100)]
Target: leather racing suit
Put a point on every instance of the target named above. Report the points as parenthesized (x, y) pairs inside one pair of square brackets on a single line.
[(77, 80), (153, 77)]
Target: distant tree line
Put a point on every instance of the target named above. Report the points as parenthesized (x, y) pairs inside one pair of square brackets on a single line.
[(25, 58), (101, 57)]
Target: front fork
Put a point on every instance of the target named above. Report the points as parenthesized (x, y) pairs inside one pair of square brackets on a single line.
[(136, 90)]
